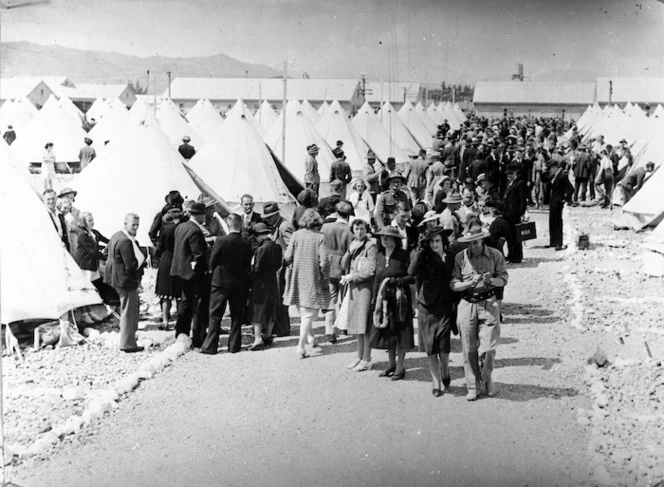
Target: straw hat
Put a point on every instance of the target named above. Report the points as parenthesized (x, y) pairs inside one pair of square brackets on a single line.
[(474, 232)]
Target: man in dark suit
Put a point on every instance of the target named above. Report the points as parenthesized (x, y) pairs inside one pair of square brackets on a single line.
[(190, 266), (341, 170), (416, 176), (230, 264), (124, 270), (50, 199), (186, 150), (516, 203), (582, 168), (561, 192)]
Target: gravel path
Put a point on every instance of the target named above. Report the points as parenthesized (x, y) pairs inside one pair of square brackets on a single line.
[(268, 418)]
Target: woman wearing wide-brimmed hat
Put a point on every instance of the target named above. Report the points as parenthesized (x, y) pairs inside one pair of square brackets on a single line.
[(432, 268), (391, 302)]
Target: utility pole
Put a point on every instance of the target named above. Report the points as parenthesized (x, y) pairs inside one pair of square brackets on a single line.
[(169, 84), (610, 92)]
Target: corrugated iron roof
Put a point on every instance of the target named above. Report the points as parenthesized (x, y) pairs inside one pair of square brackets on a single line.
[(534, 92), (318, 90), (631, 89)]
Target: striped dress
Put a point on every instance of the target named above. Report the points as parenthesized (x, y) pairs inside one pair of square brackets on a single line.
[(307, 276)]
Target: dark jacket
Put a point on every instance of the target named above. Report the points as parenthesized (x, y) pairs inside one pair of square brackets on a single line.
[(341, 170), (187, 151), (230, 262), (189, 247), (122, 269), (561, 188), (265, 296), (86, 254), (516, 201), (433, 278), (582, 164)]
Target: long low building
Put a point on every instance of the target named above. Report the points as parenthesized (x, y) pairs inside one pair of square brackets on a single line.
[(224, 92), (558, 99)]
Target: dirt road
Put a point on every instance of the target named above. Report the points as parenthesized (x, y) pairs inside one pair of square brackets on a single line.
[(266, 418)]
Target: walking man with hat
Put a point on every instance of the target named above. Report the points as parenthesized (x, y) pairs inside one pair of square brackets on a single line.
[(387, 201), (416, 175), (311, 174), (190, 266), (371, 176), (478, 272), (186, 150)]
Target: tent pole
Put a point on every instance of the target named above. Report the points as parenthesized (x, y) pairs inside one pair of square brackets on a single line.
[(283, 113), (2, 397)]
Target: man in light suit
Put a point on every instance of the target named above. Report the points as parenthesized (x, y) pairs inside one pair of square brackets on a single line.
[(124, 270), (416, 176), (230, 263), (190, 266)]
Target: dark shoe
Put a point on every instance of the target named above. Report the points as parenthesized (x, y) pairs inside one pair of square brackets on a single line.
[(333, 339), (399, 376), (133, 350), (268, 342), (561, 247), (344, 332), (437, 393), (447, 381), (205, 352), (389, 372), (256, 346)]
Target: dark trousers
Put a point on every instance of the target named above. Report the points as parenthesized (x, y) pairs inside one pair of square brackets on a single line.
[(591, 186), (556, 223), (282, 320), (608, 192), (514, 247), (219, 298), (193, 309), (582, 185)]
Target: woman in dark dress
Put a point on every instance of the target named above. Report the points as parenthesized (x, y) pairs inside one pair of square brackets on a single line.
[(432, 267), (392, 301), (168, 287)]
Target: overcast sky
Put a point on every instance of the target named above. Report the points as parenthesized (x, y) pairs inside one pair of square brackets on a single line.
[(409, 40)]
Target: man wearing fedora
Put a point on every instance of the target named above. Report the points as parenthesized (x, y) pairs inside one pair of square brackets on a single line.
[(478, 272), (449, 219), (371, 176), (281, 231), (190, 266), (87, 153), (311, 175), (387, 201), (561, 192), (230, 264), (186, 150), (516, 204)]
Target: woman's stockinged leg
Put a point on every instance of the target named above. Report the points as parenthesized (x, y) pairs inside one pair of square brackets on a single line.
[(366, 352)]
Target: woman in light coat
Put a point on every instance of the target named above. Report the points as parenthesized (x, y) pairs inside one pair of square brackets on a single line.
[(360, 198), (360, 260), (308, 275)]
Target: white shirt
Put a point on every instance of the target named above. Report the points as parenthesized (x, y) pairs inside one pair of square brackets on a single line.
[(404, 234), (137, 251)]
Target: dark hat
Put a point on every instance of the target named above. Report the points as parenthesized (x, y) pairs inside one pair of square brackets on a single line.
[(445, 233), (453, 197), (389, 231), (174, 198), (270, 208), (391, 160), (623, 141), (396, 175), (196, 208), (261, 228), (66, 191), (340, 142), (87, 140), (512, 168), (497, 204), (312, 149), (186, 138), (474, 232)]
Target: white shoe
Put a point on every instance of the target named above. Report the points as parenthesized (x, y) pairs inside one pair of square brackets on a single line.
[(353, 364), (362, 366)]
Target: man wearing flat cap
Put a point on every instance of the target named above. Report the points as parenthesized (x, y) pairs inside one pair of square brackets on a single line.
[(387, 201), (478, 272), (190, 267), (311, 174), (186, 150)]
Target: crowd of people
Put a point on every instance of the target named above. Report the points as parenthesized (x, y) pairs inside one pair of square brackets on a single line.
[(393, 244)]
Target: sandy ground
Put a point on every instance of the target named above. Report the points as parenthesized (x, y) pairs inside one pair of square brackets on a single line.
[(267, 418)]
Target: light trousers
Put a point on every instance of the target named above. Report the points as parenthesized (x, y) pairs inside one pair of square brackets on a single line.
[(129, 314)]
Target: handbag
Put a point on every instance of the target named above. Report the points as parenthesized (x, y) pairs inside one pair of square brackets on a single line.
[(341, 321), (525, 231)]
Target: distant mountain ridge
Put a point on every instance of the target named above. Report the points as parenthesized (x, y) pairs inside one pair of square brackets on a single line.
[(31, 59)]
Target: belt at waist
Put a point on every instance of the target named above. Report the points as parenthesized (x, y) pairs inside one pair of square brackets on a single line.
[(481, 296)]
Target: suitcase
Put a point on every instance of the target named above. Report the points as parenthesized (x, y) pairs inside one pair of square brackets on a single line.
[(525, 231)]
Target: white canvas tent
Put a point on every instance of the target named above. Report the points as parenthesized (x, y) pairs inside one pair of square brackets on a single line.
[(40, 280), (426, 119), (51, 124), (334, 125), (70, 109), (373, 132), (113, 126), (300, 133), (397, 130), (238, 162), (133, 176), (310, 112), (205, 119), (646, 208), (416, 126), (17, 113), (265, 117), (322, 109), (434, 114)]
